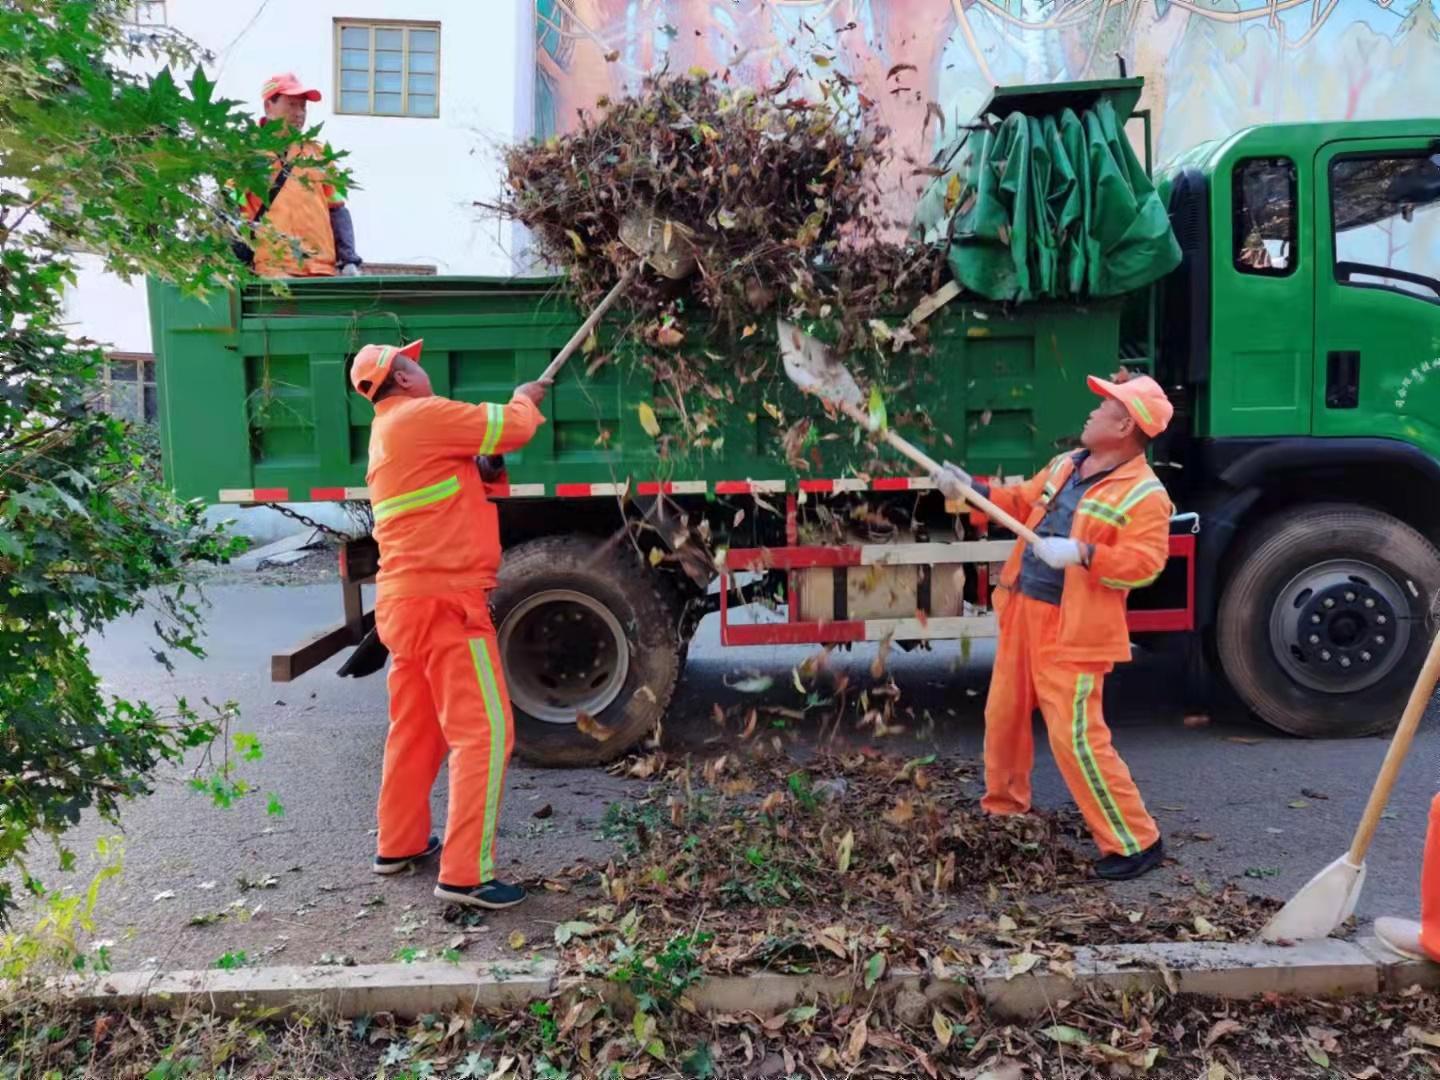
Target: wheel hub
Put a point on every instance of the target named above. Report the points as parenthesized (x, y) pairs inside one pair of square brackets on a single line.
[(1340, 626), (564, 653)]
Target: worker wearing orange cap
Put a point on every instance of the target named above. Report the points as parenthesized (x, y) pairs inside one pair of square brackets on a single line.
[(1104, 524), (439, 554), (1406, 937), (310, 233)]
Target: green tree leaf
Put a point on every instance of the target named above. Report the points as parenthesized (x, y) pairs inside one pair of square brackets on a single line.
[(143, 173)]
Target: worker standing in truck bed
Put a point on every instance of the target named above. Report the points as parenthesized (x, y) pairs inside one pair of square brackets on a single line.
[(308, 231), (1104, 525), (439, 554)]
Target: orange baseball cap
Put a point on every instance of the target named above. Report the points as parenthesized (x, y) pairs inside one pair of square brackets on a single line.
[(288, 85), (1143, 399), (372, 366)]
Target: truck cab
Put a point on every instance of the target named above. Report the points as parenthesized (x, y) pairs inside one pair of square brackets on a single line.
[(1302, 332)]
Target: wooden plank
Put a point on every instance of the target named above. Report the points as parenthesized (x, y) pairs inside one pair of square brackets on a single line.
[(288, 666), (934, 302)]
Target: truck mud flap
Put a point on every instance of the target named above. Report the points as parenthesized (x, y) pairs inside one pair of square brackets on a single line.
[(368, 658)]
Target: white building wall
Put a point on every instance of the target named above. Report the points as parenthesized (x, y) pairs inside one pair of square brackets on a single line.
[(415, 180)]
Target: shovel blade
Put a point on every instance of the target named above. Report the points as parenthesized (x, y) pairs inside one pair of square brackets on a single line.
[(1321, 906), (813, 369), (667, 247)]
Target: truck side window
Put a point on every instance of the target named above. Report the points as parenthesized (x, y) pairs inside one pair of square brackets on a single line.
[(1264, 198), (1386, 217)]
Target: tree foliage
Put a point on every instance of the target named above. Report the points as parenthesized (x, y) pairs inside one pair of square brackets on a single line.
[(135, 170)]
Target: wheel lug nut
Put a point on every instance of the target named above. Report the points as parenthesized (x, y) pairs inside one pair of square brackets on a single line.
[(1381, 619), (1315, 618), (1329, 601), (1379, 639), (1349, 597), (1369, 601), (1314, 639), (1324, 654), (1365, 656), (1344, 661)]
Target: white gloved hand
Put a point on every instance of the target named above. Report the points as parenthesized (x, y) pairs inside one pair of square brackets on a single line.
[(1058, 552), (949, 479)]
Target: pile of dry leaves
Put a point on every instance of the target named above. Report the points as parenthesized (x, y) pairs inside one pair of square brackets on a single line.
[(865, 862), (774, 196)]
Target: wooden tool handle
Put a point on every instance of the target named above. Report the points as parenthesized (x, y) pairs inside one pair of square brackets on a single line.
[(931, 466), (1420, 695), (588, 326)]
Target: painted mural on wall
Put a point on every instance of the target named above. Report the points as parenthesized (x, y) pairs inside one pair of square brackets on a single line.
[(1211, 66)]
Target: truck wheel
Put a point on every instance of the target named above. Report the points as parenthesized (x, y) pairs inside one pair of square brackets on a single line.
[(583, 630), (1322, 627)]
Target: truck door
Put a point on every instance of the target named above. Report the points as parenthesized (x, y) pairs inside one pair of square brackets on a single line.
[(1377, 289), (1262, 373)]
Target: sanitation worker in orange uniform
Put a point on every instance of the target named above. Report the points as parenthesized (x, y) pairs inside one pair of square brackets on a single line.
[(1104, 525), (439, 554), (1420, 940), (312, 234)]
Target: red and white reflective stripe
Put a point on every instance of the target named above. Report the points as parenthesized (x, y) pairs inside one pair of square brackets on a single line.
[(825, 487), (611, 490), (515, 491), (671, 487), (750, 487), (338, 494), (254, 495), (643, 487), (590, 491)]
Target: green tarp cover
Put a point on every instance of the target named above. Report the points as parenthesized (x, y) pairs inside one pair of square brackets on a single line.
[(1049, 207)]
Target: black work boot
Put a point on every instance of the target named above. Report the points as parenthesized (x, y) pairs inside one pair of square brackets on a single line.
[(493, 895), (394, 864), (1125, 867)]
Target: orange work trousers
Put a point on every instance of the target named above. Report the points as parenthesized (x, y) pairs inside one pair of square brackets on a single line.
[(1027, 676), (1430, 886), (447, 697)]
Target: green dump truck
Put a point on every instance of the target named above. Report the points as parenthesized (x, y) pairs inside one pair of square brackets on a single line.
[(1299, 338)]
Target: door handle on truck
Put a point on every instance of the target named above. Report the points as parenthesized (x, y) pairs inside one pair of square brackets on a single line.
[(1342, 380)]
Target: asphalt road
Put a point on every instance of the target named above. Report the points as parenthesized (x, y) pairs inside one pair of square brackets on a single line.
[(1223, 794)]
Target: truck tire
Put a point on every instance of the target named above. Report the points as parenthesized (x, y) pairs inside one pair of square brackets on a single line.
[(1322, 627), (583, 629)]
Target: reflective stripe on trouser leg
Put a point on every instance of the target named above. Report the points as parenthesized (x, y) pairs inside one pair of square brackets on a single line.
[(1430, 886), (414, 752), (1098, 780), (484, 655), (475, 719), (1009, 711)]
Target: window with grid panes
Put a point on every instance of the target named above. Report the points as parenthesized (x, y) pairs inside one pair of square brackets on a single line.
[(388, 69)]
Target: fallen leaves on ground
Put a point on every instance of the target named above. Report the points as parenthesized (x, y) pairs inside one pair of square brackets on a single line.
[(827, 865), (581, 1035)]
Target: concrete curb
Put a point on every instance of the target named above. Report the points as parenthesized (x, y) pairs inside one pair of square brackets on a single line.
[(404, 989), (1326, 968)]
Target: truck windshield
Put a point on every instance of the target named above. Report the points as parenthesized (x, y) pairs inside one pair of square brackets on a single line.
[(1386, 217)]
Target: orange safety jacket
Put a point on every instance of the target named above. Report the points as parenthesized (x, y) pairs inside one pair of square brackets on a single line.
[(301, 215), (438, 531), (1126, 515)]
